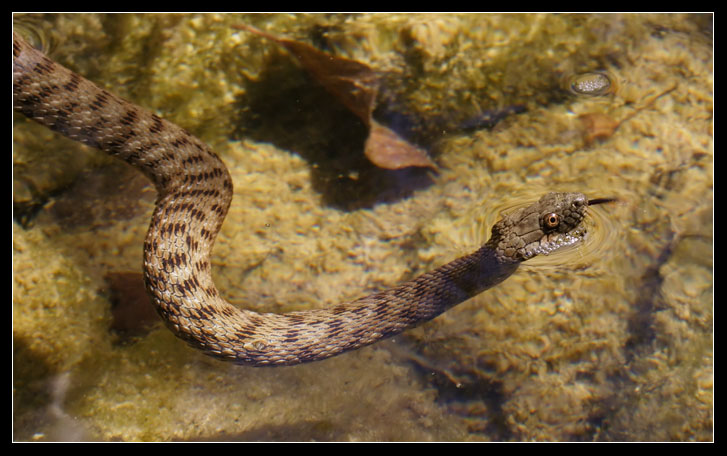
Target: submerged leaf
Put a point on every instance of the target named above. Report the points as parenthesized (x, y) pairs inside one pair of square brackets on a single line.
[(388, 150), (355, 85)]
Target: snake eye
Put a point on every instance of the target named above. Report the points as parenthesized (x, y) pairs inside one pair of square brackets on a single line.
[(551, 220)]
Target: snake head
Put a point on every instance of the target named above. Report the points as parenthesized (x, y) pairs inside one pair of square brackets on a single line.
[(555, 221)]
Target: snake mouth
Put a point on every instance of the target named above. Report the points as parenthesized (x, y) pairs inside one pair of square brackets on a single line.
[(555, 242)]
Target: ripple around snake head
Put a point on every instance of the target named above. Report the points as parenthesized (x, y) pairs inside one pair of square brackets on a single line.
[(540, 228), (597, 235), (581, 246)]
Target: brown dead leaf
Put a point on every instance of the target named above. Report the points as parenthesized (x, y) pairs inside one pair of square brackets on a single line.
[(356, 85), (597, 126), (388, 150)]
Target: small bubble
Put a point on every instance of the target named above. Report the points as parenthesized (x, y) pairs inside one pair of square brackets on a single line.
[(591, 84)]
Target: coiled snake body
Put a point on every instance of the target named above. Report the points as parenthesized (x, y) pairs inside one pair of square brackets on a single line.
[(194, 193)]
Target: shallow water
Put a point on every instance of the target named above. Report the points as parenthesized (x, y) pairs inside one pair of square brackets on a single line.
[(609, 341)]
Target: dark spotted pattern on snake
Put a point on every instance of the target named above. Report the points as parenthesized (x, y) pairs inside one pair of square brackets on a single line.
[(194, 193)]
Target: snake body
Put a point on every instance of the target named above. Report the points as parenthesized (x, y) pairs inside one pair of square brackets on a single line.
[(194, 194)]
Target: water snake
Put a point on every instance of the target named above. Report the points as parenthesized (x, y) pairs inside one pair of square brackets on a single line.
[(194, 193)]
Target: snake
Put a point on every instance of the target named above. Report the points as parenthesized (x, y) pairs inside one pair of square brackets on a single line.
[(194, 192)]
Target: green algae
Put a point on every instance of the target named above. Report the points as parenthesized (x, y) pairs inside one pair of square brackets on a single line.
[(551, 354)]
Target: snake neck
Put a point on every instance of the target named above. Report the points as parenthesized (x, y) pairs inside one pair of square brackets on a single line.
[(312, 335), (492, 267)]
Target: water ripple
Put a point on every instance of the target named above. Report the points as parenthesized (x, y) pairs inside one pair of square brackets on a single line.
[(601, 232)]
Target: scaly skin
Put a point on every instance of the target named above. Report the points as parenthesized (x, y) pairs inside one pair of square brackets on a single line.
[(195, 190)]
